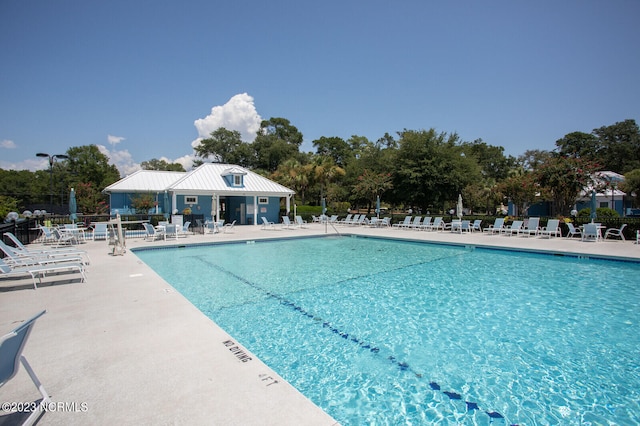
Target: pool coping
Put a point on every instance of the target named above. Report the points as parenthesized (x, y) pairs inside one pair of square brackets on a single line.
[(136, 351)]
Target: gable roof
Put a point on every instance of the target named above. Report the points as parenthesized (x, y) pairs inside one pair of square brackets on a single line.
[(145, 181), (206, 179), (209, 177)]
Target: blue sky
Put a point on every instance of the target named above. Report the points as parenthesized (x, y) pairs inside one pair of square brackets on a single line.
[(146, 79)]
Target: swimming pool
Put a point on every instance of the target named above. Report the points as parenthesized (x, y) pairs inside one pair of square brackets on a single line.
[(378, 331)]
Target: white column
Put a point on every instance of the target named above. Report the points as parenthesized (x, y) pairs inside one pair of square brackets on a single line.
[(288, 204), (255, 210)]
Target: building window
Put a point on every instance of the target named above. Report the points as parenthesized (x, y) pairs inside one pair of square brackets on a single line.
[(237, 180), (190, 199), (263, 200)]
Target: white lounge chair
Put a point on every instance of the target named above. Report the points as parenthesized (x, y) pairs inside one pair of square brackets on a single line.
[(228, 227), (16, 258), (11, 347), (52, 253), (437, 224), (425, 223), (345, 220), (300, 222), (266, 224), (407, 221), (552, 229), (152, 233), (613, 232), (40, 270), (416, 223), (286, 223), (184, 230), (496, 228), (573, 230), (591, 232), (532, 227), (99, 231), (476, 225), (514, 228)]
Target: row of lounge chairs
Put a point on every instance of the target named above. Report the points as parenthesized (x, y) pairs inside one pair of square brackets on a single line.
[(20, 261)]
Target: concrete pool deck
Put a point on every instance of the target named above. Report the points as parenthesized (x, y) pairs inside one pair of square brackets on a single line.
[(126, 348)]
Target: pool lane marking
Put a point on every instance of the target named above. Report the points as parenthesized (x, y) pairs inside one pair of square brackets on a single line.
[(471, 406)]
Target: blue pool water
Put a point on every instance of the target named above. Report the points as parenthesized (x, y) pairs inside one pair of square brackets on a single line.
[(383, 332)]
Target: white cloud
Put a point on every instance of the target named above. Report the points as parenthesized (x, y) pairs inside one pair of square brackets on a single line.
[(239, 113), (8, 144), (114, 140), (121, 159)]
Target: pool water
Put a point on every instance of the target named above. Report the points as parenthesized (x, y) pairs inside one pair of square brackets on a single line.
[(377, 331)]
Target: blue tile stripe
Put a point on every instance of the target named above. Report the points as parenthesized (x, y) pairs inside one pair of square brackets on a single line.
[(375, 350)]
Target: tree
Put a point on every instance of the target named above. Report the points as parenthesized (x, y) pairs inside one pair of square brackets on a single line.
[(432, 168), (87, 164), (372, 185), (562, 179), (521, 189), (294, 175), (325, 171), (155, 164), (579, 145), (226, 146), (334, 147), (276, 140), (631, 185), (532, 158), (620, 146), (90, 200), (491, 159)]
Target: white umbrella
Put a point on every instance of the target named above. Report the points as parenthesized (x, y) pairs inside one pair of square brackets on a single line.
[(459, 207)]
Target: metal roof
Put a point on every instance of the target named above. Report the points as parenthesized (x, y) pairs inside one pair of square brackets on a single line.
[(145, 181), (207, 179)]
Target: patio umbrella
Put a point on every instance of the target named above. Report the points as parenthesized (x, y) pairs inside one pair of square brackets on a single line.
[(214, 208), (378, 207), (73, 206), (594, 205), (166, 207), (459, 207), (324, 206)]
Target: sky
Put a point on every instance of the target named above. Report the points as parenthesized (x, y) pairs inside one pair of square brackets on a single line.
[(146, 79)]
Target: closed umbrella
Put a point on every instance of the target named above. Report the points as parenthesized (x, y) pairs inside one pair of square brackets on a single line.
[(324, 206), (73, 206), (166, 206), (459, 207), (378, 207), (214, 208), (594, 205)]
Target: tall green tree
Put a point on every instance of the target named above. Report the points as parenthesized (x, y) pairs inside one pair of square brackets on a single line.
[(631, 185), (226, 146), (562, 178), (372, 185), (432, 168), (579, 145), (334, 147), (276, 140), (156, 164), (620, 146)]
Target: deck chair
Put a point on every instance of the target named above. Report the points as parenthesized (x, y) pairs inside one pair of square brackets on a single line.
[(228, 227), (615, 232), (552, 228), (266, 224), (591, 232), (407, 221), (286, 223), (300, 222), (573, 230), (11, 347), (532, 227), (184, 230), (346, 219), (425, 223), (437, 224), (52, 253), (151, 233), (476, 225), (15, 258), (416, 223), (514, 228), (100, 231), (39, 271), (496, 228)]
